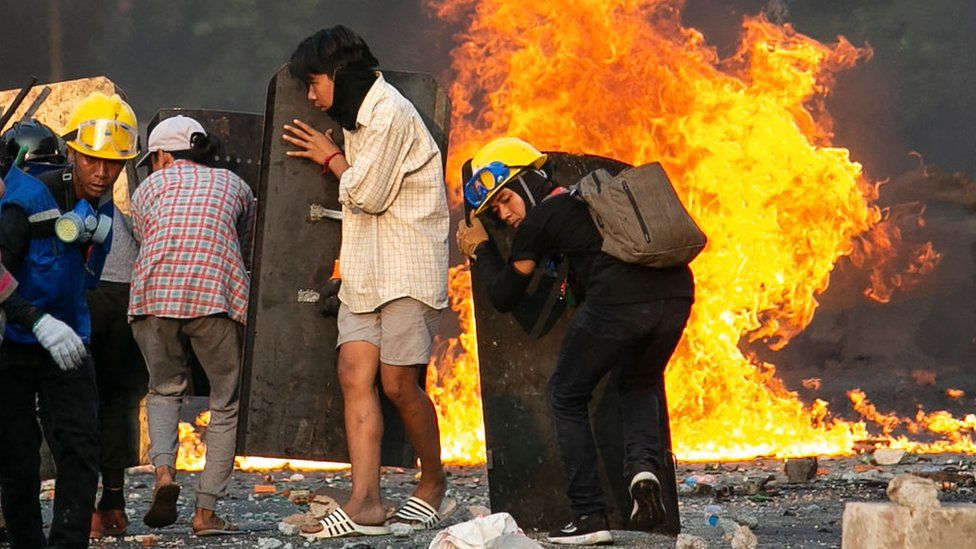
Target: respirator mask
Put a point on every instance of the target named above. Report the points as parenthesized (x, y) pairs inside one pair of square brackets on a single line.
[(82, 225)]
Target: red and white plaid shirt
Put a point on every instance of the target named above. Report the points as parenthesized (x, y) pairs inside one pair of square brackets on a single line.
[(195, 225)]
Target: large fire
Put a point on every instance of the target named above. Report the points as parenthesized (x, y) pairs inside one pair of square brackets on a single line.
[(747, 141)]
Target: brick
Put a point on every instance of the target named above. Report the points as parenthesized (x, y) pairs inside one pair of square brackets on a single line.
[(889, 525), (801, 469)]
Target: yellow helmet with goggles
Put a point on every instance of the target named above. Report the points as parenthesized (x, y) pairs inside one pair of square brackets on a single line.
[(496, 164), (104, 127)]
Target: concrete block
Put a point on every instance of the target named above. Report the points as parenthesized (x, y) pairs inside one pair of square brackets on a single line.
[(889, 525)]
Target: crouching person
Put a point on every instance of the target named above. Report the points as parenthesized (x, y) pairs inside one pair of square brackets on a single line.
[(190, 284), (631, 319)]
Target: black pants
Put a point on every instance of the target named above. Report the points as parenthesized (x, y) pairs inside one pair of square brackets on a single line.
[(69, 400), (122, 376), (638, 340)]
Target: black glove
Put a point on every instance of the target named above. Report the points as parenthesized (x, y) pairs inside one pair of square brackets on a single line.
[(330, 297)]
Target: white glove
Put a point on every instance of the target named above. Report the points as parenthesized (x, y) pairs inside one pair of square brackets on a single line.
[(61, 341)]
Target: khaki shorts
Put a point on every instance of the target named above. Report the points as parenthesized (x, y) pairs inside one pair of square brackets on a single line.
[(403, 329)]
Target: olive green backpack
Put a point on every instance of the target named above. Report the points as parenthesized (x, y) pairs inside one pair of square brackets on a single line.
[(640, 217)]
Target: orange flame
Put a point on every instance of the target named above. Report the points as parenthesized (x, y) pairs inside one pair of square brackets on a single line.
[(747, 141), (454, 384), (192, 453)]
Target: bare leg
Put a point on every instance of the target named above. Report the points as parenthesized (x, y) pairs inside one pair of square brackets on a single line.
[(420, 421), (358, 365)]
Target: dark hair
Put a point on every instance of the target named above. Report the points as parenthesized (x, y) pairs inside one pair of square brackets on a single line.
[(205, 149), (329, 51)]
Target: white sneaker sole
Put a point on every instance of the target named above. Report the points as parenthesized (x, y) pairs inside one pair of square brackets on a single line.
[(601, 537), (648, 510)]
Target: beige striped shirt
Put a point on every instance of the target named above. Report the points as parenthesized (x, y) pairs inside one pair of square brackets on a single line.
[(395, 218)]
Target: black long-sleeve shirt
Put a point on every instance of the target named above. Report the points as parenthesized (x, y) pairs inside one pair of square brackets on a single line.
[(562, 226)]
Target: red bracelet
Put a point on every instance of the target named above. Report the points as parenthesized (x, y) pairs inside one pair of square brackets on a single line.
[(325, 165)]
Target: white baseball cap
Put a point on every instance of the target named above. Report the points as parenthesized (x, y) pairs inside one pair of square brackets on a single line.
[(170, 135)]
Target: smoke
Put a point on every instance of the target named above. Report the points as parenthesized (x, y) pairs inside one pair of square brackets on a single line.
[(184, 53)]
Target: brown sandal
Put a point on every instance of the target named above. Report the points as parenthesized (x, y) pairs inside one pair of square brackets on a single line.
[(226, 528), (162, 511)]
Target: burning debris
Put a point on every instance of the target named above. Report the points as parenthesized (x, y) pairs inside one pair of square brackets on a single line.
[(787, 230)]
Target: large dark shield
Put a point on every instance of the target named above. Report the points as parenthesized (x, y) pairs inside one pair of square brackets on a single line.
[(239, 132), (524, 473), (291, 402)]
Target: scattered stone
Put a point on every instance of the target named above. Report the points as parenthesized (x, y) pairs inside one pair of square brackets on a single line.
[(688, 541), (401, 529), (886, 525), (269, 543), (297, 477), (147, 540), (914, 492), (746, 519), (801, 469), (888, 456), (321, 505), (949, 475), (299, 497), (289, 529), (475, 511), (743, 538), (356, 545), (752, 486)]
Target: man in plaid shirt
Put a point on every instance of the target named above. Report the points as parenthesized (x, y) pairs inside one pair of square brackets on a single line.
[(190, 283)]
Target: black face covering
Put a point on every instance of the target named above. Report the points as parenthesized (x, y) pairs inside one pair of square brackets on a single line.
[(352, 83), (532, 185)]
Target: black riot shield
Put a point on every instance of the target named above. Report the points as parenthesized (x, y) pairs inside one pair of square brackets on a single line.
[(291, 401), (239, 132), (517, 353)]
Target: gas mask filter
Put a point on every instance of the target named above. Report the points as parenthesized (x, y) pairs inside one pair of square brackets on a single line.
[(82, 225)]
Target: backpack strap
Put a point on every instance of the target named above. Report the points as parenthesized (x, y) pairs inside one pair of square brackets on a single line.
[(551, 300)]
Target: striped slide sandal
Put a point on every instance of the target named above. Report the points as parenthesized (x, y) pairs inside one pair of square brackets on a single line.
[(337, 524), (421, 515)]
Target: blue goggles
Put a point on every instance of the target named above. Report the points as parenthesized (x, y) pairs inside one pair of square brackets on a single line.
[(486, 180)]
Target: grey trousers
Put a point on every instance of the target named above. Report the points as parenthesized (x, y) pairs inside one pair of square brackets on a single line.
[(216, 341)]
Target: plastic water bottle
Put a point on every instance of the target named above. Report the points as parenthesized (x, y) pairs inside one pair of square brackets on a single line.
[(712, 514)]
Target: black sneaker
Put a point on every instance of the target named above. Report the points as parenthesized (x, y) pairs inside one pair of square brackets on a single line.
[(648, 511), (585, 530)]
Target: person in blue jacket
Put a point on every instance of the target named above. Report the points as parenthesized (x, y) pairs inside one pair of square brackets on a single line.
[(54, 238)]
